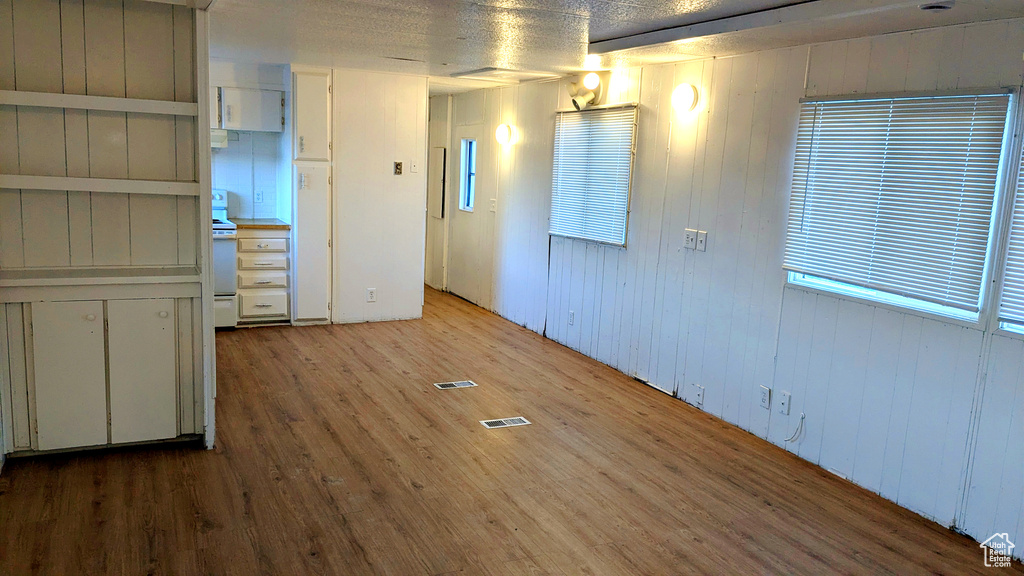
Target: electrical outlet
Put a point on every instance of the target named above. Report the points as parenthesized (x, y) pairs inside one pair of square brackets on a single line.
[(700, 396), (766, 398), (398, 168), (572, 317), (690, 239), (371, 294), (702, 241), (258, 197), (783, 406)]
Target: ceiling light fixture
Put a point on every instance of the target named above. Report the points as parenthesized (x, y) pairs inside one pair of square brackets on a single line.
[(685, 97), (506, 134), (591, 81)]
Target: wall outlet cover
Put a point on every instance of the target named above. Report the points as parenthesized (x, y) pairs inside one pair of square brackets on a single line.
[(371, 294), (783, 405), (258, 197), (572, 317)]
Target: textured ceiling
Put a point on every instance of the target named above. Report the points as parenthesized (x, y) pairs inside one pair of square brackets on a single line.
[(440, 38)]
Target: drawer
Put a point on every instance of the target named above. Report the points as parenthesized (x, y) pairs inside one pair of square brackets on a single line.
[(263, 304), (262, 280), (262, 245), (262, 262)]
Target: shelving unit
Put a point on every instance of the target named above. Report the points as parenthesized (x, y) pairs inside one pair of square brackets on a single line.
[(104, 224)]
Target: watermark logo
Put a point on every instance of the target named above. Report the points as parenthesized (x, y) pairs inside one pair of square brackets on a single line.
[(998, 550)]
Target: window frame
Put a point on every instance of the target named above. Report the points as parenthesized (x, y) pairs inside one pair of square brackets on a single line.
[(1000, 220), (467, 178), (635, 107)]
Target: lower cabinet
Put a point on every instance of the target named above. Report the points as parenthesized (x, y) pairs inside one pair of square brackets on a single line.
[(143, 378), (95, 386), (70, 374)]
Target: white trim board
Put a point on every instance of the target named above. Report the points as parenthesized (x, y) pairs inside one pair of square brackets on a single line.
[(116, 186), (105, 103)]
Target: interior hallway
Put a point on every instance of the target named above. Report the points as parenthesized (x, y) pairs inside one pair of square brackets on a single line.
[(335, 455)]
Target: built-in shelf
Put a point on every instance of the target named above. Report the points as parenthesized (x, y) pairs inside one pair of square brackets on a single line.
[(104, 103), (31, 277), (116, 186)]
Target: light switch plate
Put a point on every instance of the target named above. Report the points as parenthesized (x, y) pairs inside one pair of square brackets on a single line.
[(766, 397), (398, 168), (690, 239), (702, 241), (494, 204)]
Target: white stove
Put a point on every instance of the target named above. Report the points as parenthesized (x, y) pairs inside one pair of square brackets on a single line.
[(225, 263)]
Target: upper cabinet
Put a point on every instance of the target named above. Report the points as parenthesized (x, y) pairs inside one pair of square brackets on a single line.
[(247, 109), (312, 138)]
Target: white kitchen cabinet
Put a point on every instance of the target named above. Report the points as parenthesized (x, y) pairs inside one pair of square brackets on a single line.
[(263, 275), (251, 110), (143, 362), (70, 374), (311, 233), (312, 119)]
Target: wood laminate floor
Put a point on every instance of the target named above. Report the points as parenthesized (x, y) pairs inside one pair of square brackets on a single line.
[(335, 455)]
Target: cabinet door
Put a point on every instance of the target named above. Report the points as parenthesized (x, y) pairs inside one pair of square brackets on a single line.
[(312, 235), (251, 110), (312, 99), (70, 374), (143, 376)]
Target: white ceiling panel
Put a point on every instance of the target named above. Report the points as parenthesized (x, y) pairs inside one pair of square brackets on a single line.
[(443, 38)]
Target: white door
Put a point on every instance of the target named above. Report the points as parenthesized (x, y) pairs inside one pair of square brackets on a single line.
[(70, 374), (311, 233), (471, 237), (312, 98), (143, 370)]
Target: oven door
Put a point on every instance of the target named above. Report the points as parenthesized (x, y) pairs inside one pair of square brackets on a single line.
[(225, 264)]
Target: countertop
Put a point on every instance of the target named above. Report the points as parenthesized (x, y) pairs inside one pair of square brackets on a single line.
[(261, 224)]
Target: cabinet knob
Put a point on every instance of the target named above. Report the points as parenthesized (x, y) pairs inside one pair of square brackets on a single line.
[(90, 317), (163, 314)]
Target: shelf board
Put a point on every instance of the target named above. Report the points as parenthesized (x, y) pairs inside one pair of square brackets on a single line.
[(105, 103), (34, 277), (116, 186)]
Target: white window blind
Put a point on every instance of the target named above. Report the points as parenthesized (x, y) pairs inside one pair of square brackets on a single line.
[(1011, 308), (591, 179), (896, 194)]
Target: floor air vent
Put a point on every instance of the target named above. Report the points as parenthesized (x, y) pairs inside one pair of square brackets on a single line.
[(505, 422), (459, 384)]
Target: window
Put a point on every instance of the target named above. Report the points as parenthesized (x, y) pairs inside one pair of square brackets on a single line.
[(893, 198), (1011, 307), (591, 179), (468, 193)]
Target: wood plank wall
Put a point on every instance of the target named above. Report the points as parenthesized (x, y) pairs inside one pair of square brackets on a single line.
[(888, 395), (102, 48)]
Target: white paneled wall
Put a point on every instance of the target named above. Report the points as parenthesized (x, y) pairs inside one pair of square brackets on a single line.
[(249, 165), (96, 47), (891, 398), (378, 216)]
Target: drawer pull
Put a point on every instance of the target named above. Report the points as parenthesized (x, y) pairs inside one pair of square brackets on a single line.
[(263, 246), (263, 263), (90, 317), (264, 305), (263, 282), (163, 314)]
